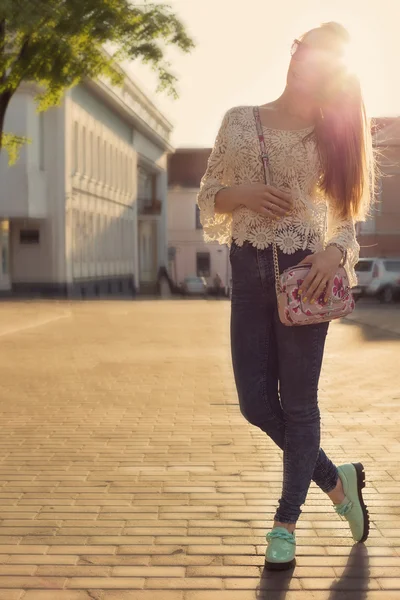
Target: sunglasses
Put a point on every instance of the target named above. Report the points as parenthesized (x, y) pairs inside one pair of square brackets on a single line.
[(301, 51)]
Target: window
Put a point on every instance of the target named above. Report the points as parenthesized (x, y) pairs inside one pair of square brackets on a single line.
[(124, 174), (379, 197), (203, 264), (41, 141), (92, 155), (106, 164), (147, 186), (198, 222), (84, 152), (364, 266), (98, 162), (368, 226), (118, 170), (4, 245), (29, 236), (154, 186), (75, 148), (110, 165), (393, 266), (113, 167)]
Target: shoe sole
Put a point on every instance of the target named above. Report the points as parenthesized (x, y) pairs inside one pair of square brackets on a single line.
[(284, 566), (359, 467)]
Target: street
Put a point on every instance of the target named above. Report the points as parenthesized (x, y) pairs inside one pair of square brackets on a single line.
[(128, 472)]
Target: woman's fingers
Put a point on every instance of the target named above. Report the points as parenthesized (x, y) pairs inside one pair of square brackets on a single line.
[(307, 260), (283, 199), (274, 208), (286, 196), (328, 290), (319, 290), (306, 288), (274, 202), (266, 212), (285, 206)]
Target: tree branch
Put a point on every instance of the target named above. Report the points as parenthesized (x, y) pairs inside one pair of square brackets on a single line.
[(2, 45), (5, 98), (21, 56)]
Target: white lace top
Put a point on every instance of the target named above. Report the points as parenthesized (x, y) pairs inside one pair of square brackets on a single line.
[(294, 166)]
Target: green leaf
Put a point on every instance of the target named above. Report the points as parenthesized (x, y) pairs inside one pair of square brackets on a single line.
[(58, 43), (13, 144)]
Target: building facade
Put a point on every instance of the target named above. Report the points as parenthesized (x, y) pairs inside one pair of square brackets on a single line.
[(379, 236), (189, 255), (83, 212)]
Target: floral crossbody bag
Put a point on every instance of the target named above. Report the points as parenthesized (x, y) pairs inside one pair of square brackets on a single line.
[(292, 308)]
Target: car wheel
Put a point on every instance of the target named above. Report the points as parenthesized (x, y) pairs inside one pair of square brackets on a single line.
[(387, 295)]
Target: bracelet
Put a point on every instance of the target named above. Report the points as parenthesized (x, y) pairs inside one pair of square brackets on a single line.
[(342, 250)]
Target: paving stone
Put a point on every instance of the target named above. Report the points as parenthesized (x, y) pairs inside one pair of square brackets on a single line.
[(61, 595), (18, 581), (142, 595), (105, 583), (129, 473)]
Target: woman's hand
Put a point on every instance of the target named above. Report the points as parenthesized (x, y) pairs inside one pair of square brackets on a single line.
[(258, 197), (265, 199), (324, 266)]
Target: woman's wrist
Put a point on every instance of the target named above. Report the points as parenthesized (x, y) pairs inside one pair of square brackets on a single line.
[(226, 200), (340, 251)]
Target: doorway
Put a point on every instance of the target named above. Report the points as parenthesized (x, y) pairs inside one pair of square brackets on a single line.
[(5, 282), (148, 251)]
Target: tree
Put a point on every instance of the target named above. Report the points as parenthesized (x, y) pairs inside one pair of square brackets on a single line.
[(58, 43)]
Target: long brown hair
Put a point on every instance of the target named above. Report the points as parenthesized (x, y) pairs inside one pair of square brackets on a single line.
[(344, 141)]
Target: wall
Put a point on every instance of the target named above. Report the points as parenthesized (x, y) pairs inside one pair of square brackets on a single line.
[(188, 241), (101, 112), (101, 195), (31, 263), (105, 152), (380, 235), (150, 151), (78, 181), (43, 159), (186, 167), (23, 186)]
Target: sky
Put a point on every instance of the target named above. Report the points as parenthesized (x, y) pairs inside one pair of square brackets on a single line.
[(243, 51)]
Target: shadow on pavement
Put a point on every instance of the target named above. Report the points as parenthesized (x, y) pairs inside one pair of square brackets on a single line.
[(274, 585), (372, 333), (354, 581), (352, 585)]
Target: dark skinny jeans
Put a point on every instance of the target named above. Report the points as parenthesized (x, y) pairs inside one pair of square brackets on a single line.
[(277, 370)]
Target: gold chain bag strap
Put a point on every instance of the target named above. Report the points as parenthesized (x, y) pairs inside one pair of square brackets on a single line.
[(292, 308)]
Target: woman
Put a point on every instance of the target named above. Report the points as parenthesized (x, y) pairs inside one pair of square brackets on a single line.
[(321, 173)]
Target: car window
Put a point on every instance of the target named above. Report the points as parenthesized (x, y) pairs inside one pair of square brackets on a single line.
[(364, 266), (393, 266)]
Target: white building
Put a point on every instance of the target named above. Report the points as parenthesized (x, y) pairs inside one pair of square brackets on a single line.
[(189, 255), (83, 212)]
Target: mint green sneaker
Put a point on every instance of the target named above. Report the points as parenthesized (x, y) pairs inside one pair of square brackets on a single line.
[(353, 508), (281, 549)]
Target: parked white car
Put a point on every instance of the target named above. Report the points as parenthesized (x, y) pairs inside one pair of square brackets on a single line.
[(379, 277), (194, 286)]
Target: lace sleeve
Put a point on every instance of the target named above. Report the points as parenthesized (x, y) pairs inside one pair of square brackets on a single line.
[(216, 227), (343, 232)]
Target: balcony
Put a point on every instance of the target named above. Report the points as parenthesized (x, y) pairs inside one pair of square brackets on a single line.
[(148, 207)]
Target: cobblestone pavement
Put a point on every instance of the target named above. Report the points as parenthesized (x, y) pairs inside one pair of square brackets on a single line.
[(370, 312), (128, 473)]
